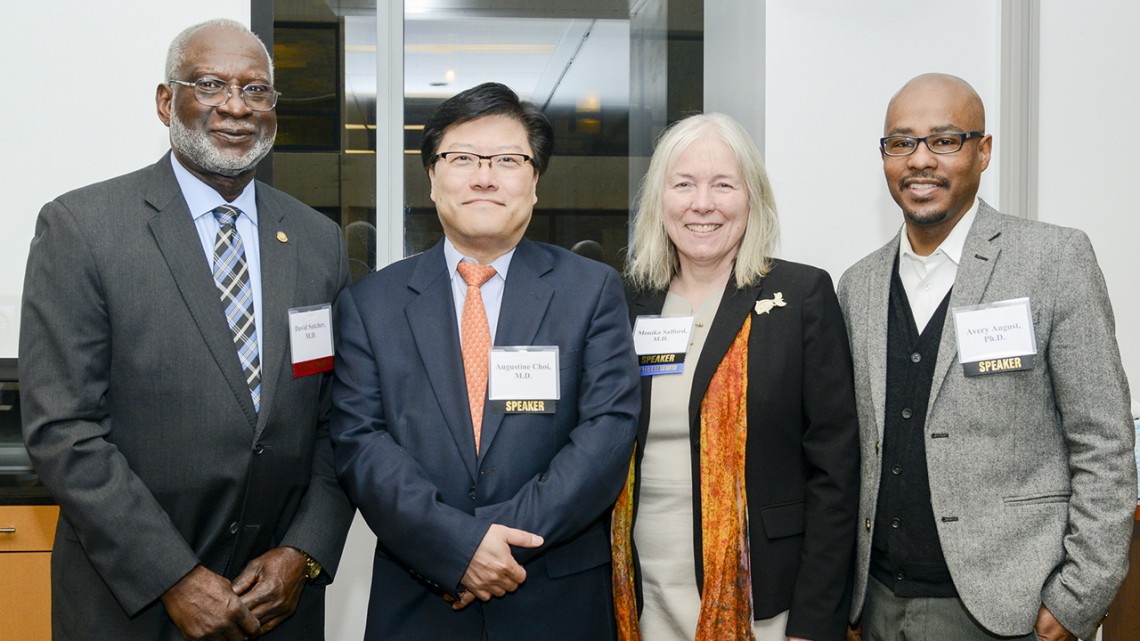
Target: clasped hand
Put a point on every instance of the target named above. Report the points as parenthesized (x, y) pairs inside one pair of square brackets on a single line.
[(206, 606), (493, 570)]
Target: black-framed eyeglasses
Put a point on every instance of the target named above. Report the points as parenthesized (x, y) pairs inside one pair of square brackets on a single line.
[(465, 161), (946, 142), (213, 92)]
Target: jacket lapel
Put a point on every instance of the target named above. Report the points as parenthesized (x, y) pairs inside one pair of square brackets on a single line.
[(278, 279), (525, 300), (431, 318), (645, 303), (735, 306), (979, 256), (877, 308), (177, 240)]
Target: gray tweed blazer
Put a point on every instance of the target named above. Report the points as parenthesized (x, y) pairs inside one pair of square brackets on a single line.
[(1032, 478)]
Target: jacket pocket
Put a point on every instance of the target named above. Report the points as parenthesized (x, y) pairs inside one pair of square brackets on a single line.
[(783, 520), (1037, 499)]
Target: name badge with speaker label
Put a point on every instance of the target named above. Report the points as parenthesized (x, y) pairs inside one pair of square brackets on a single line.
[(661, 343), (523, 380), (996, 337)]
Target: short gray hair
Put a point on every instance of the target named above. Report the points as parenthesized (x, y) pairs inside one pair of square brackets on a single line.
[(653, 257), (176, 54)]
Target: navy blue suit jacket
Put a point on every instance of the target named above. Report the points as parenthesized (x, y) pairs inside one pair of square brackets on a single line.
[(406, 453)]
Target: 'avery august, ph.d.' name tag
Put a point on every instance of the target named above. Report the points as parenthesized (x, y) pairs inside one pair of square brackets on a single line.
[(523, 380), (661, 343), (996, 337), (311, 339)]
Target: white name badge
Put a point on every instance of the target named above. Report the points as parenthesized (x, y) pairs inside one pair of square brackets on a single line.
[(523, 380), (661, 343), (311, 339), (996, 337)]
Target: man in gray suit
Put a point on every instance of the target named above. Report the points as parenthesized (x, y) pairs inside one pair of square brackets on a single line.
[(190, 457), (998, 484)]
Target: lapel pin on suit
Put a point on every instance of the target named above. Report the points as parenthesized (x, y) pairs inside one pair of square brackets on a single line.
[(766, 305), (282, 237)]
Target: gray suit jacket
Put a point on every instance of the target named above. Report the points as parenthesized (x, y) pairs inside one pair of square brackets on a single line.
[(137, 416), (1032, 478)]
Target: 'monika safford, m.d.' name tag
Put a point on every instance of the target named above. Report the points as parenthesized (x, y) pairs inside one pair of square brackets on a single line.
[(661, 343), (996, 337)]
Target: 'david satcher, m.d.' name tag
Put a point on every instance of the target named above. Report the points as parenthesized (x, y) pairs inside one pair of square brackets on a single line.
[(311, 339), (661, 343), (996, 337), (523, 380)]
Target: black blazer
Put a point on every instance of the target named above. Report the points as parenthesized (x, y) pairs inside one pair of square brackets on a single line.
[(802, 458)]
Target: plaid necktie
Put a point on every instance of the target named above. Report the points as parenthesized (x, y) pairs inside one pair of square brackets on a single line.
[(476, 341), (231, 274)]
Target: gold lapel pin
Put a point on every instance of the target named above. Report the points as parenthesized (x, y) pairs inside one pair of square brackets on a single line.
[(281, 237)]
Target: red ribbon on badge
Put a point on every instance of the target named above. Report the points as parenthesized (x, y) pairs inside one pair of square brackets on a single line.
[(316, 366)]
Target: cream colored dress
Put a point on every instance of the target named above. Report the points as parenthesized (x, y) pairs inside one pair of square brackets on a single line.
[(663, 529)]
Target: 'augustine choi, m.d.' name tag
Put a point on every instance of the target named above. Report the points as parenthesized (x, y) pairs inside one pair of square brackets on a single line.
[(523, 380), (311, 339), (661, 343), (996, 337)]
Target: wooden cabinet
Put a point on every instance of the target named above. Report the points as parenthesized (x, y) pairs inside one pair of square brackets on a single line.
[(1123, 619), (26, 534)]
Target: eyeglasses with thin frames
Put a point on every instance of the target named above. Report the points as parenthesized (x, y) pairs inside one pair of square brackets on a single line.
[(946, 142), (467, 162), (213, 92)]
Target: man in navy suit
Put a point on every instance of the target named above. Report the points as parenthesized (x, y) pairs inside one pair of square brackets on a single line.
[(486, 474)]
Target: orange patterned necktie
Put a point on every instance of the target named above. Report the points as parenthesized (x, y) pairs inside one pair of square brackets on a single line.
[(476, 340)]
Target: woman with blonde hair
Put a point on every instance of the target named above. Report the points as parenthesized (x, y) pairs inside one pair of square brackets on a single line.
[(738, 518)]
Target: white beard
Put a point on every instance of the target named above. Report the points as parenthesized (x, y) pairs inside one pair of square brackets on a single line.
[(196, 146)]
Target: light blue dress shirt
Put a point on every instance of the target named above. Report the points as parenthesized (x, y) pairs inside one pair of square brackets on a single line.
[(202, 201)]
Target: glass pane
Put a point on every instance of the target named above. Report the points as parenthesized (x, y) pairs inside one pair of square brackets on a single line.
[(576, 69), (325, 153)]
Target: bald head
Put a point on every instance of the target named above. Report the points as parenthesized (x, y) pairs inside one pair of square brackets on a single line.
[(948, 92), (937, 182)]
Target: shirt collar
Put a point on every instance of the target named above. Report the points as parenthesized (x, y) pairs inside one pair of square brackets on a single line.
[(951, 246), (452, 256), (202, 199)]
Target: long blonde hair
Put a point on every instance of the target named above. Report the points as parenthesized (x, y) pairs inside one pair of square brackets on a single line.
[(653, 256)]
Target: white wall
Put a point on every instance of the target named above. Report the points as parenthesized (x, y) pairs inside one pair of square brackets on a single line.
[(1090, 145), (81, 109), (831, 69)]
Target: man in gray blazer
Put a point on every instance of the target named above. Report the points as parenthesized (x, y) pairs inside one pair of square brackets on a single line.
[(998, 483), (190, 457)]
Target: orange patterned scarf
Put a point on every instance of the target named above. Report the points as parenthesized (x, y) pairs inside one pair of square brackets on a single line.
[(726, 597)]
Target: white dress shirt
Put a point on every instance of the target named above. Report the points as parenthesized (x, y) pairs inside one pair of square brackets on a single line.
[(926, 279)]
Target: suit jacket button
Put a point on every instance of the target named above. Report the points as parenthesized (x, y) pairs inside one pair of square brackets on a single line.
[(234, 528), (471, 492), (259, 449)]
